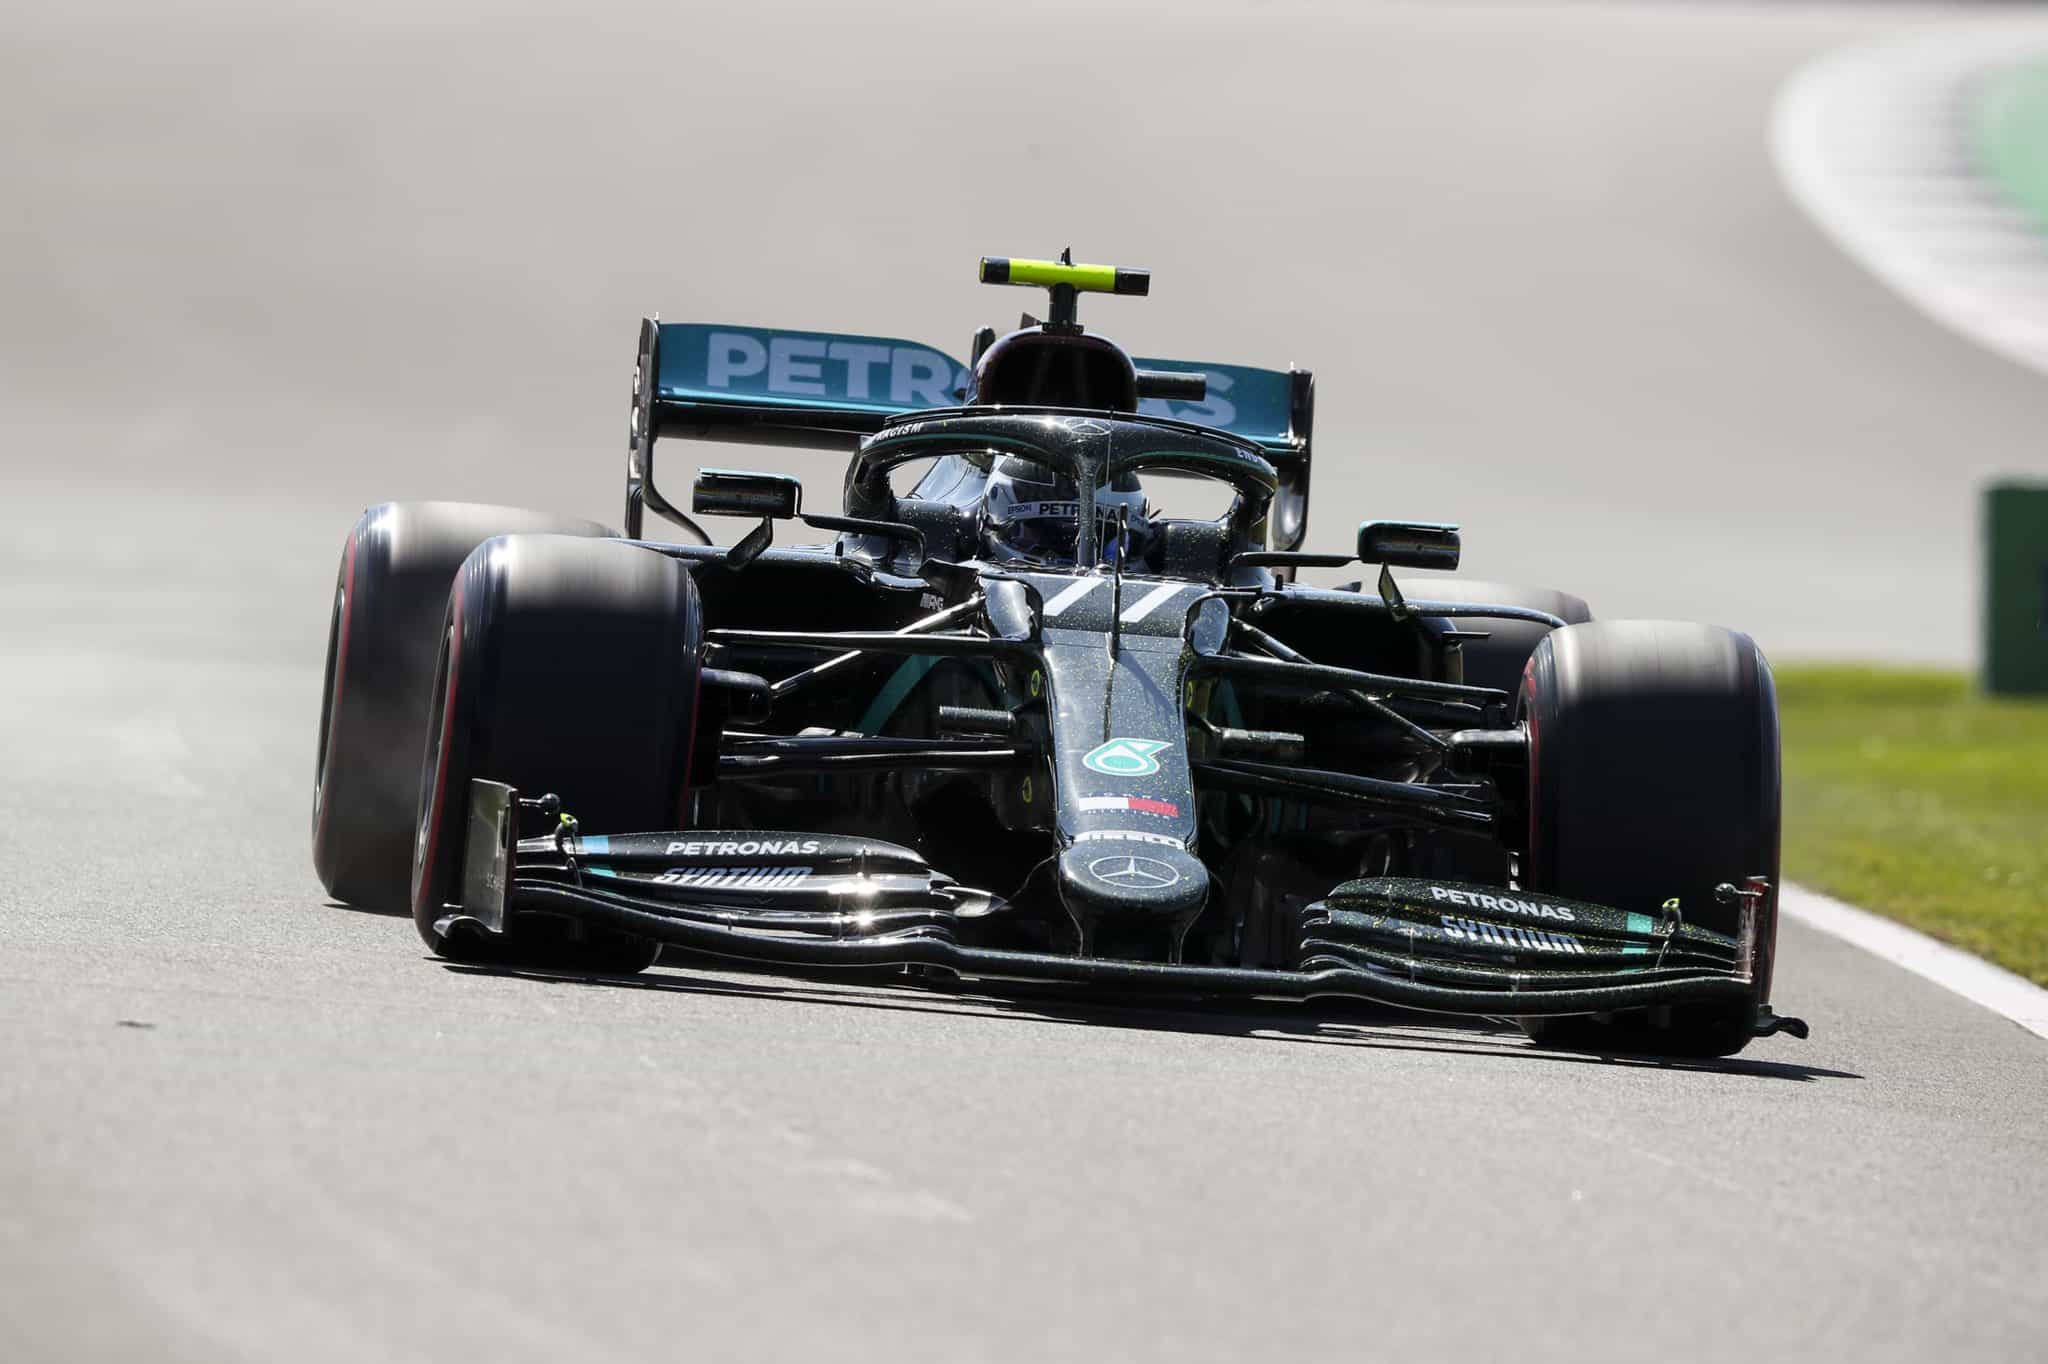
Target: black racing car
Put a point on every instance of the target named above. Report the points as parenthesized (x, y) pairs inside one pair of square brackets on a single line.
[(1017, 723)]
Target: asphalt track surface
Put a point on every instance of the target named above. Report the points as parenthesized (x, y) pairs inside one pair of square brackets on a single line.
[(265, 266)]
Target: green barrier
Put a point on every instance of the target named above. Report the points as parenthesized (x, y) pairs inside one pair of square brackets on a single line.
[(2009, 118), (2016, 589)]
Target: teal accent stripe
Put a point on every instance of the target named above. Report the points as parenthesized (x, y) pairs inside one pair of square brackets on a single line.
[(597, 845), (602, 871), (893, 693), (1643, 925)]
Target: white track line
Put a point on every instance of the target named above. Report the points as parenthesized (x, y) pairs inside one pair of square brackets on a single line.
[(1875, 143), (1953, 969)]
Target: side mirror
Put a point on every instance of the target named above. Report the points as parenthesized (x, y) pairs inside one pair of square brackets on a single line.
[(1408, 544), (735, 492)]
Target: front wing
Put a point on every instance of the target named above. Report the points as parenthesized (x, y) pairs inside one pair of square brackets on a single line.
[(814, 900)]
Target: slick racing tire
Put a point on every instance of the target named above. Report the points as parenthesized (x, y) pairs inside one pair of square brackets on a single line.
[(1497, 661), (568, 666), (1653, 776), (389, 599)]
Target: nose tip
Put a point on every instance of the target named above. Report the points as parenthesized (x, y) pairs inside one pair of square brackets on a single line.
[(1125, 880)]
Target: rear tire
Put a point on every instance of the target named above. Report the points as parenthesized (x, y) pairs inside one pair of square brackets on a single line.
[(1653, 774), (1497, 661), (567, 666), (390, 597)]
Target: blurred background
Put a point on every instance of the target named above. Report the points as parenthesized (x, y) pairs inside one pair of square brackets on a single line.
[(268, 263)]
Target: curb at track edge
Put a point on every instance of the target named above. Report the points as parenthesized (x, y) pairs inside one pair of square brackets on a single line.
[(2008, 995)]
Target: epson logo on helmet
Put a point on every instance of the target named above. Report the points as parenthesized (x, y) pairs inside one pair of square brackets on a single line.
[(1006, 511)]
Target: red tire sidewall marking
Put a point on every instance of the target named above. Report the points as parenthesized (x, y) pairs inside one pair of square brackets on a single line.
[(423, 876), (1530, 706), (348, 607), (689, 753)]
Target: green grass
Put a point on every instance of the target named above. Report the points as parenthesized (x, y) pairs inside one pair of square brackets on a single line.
[(1909, 795)]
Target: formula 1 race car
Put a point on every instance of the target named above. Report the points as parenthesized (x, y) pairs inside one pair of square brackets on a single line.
[(1015, 723)]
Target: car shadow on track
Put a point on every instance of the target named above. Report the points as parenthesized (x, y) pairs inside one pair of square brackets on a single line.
[(1333, 1023), (381, 911)]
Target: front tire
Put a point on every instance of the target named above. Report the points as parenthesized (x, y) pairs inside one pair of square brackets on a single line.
[(567, 666), (1653, 775), (390, 596)]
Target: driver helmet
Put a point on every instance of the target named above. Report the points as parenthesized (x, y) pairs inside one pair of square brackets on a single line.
[(1032, 513)]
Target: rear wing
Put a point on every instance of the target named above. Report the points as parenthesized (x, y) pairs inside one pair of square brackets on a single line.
[(823, 390)]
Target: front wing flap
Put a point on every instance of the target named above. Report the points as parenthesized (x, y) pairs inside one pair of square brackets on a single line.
[(1493, 938), (810, 900)]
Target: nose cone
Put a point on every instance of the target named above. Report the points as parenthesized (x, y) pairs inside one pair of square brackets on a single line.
[(1106, 881)]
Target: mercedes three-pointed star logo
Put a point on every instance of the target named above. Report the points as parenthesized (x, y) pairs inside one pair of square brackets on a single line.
[(1134, 873)]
